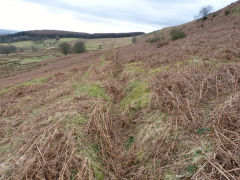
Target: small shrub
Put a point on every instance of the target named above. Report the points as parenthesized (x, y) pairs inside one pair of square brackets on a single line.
[(34, 49), (134, 40), (162, 43), (191, 169), (79, 47), (204, 18), (203, 130), (177, 34), (65, 48), (155, 39), (7, 49), (227, 12), (129, 142)]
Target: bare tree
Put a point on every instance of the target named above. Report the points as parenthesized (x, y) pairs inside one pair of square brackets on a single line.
[(204, 12)]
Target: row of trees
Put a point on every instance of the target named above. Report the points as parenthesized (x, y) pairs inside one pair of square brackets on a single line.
[(78, 47), (50, 34)]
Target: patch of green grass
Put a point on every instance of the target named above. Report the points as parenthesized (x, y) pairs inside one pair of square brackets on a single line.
[(196, 61), (22, 43), (169, 175), (8, 132), (236, 10), (137, 95), (191, 168), (67, 39), (129, 142), (149, 132), (157, 70), (203, 130), (134, 68), (35, 59), (96, 147), (35, 81), (92, 46), (73, 173), (90, 152), (197, 152), (97, 172), (103, 61), (94, 90), (6, 148), (78, 121), (94, 162)]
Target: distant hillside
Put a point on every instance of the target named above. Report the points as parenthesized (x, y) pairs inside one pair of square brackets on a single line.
[(226, 18), (30, 35), (6, 31)]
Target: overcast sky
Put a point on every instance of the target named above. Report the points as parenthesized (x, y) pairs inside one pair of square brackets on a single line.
[(100, 15)]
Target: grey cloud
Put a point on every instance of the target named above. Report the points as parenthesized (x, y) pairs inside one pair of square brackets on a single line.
[(148, 12)]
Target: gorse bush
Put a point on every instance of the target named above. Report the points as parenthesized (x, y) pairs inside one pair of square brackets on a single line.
[(79, 47), (155, 39), (177, 34), (7, 49)]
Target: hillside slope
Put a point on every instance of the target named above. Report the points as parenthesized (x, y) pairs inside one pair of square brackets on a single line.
[(135, 112)]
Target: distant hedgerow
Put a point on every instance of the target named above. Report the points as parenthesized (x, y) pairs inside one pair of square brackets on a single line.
[(177, 34)]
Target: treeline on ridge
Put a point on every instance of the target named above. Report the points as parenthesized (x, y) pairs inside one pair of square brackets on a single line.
[(46, 34)]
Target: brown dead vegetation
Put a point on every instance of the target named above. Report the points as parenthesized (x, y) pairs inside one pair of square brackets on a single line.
[(183, 93), (182, 122)]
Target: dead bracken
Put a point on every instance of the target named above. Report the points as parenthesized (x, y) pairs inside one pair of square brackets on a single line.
[(136, 112)]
